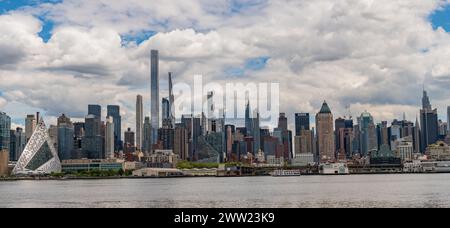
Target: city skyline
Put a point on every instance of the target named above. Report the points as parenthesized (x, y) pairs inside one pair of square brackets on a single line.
[(386, 81)]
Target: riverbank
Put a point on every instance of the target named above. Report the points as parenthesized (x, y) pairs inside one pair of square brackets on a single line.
[(74, 178)]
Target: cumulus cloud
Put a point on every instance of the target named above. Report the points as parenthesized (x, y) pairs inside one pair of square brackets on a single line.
[(363, 54)]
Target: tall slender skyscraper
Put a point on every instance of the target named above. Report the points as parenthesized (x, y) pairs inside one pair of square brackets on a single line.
[(30, 125), (155, 94), (325, 134), (139, 122), (109, 138), (172, 101), (114, 112), (248, 120), (448, 116)]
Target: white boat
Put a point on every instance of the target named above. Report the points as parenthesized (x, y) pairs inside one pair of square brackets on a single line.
[(286, 173)]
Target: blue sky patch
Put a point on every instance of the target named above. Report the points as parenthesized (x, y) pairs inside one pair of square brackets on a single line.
[(138, 38), (256, 63), (441, 18), (252, 64), (47, 28), (8, 5)]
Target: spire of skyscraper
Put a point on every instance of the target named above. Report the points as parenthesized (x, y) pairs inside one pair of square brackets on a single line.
[(426, 105)]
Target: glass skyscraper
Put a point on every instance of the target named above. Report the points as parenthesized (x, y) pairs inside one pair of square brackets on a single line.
[(302, 121), (154, 94), (114, 112), (5, 127)]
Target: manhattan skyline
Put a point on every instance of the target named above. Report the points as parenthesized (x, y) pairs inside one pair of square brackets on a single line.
[(57, 59)]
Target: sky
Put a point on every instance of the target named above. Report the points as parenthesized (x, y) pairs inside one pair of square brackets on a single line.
[(58, 56)]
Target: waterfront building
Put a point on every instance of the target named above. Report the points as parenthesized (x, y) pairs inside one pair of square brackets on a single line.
[(30, 125), (139, 122), (158, 172), (162, 159), (302, 160), (39, 155), (440, 151), (4, 159), (325, 134), (384, 156), (405, 149), (154, 94), (114, 112), (87, 165)]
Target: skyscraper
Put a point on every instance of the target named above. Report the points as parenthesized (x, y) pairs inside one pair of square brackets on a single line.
[(17, 143), (181, 142), (448, 116), (256, 133), (368, 135), (155, 94), (248, 120), (114, 112), (139, 122), (95, 110), (92, 143), (147, 140), (429, 123), (65, 141), (129, 144), (30, 125), (165, 106), (109, 138), (171, 102), (417, 137), (302, 121), (339, 124), (283, 122), (5, 134), (325, 134)]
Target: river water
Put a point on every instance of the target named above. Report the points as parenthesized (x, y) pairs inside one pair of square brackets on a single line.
[(431, 190)]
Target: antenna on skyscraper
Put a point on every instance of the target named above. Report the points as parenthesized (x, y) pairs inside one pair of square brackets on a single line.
[(347, 107)]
